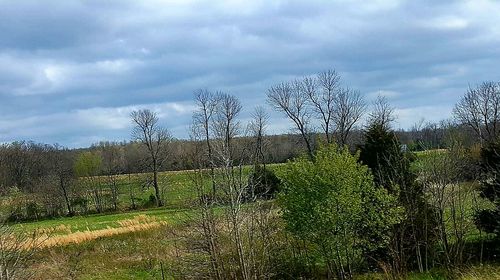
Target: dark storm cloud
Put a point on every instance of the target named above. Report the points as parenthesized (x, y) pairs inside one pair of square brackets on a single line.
[(71, 71)]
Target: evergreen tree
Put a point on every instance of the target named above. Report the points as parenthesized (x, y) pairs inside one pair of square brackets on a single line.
[(383, 154), (489, 219), (391, 167)]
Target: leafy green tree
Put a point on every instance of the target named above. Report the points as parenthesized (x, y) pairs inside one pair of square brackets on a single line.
[(88, 164), (87, 167), (332, 202)]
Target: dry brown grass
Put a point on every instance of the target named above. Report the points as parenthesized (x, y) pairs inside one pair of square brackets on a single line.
[(138, 223)]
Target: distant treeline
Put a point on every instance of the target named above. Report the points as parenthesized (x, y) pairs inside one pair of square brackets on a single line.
[(24, 163)]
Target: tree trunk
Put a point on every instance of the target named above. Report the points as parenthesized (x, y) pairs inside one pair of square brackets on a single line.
[(131, 191), (159, 202), (66, 198)]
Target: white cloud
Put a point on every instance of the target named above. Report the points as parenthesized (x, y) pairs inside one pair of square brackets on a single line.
[(446, 23), (118, 118), (114, 66), (91, 124)]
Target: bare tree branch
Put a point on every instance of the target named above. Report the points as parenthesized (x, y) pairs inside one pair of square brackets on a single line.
[(383, 112), (322, 92), (288, 98), (155, 138), (479, 109), (349, 109)]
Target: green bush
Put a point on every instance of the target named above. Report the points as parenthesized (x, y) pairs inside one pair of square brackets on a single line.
[(332, 203)]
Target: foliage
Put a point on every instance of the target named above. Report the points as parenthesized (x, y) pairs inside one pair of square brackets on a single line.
[(391, 167), (88, 164), (489, 219), (383, 154), (263, 183), (332, 202)]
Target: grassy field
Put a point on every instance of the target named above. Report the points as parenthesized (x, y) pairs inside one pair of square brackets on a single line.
[(179, 195), (177, 187), (475, 272), (121, 245), (103, 221), (133, 255)]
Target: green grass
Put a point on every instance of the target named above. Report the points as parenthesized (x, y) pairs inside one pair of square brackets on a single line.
[(177, 187), (177, 190), (134, 255), (179, 195), (102, 221)]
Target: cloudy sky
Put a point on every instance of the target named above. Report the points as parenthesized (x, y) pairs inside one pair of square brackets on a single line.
[(71, 71)]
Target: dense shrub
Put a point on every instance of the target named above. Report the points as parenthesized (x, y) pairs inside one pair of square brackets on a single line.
[(263, 183), (332, 203)]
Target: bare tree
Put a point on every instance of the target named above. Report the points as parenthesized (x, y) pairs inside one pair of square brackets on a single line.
[(289, 98), (230, 176), (479, 109), (148, 131), (112, 165), (62, 165), (257, 183), (257, 127), (338, 109), (225, 124), (383, 112), (206, 222), (226, 161), (322, 92), (206, 102), (348, 110), (24, 164), (441, 174), (236, 233)]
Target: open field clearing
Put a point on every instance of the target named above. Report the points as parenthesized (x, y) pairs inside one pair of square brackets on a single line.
[(134, 192), (179, 194), (101, 221), (63, 235)]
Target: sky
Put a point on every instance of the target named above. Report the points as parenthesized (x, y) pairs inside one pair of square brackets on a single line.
[(72, 71)]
